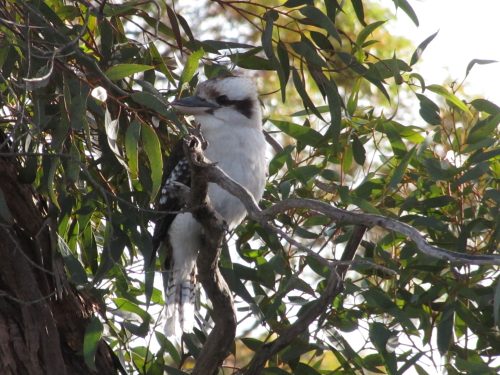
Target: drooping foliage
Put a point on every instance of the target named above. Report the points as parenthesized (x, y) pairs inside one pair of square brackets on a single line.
[(84, 93)]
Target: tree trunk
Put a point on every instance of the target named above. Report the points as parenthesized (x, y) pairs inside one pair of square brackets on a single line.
[(42, 317)]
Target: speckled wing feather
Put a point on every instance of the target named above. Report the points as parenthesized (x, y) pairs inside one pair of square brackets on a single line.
[(176, 170)]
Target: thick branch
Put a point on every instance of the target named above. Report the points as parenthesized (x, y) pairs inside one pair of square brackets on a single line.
[(221, 338), (342, 216), (333, 288)]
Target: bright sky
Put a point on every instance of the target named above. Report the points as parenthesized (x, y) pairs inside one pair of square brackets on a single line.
[(467, 30)]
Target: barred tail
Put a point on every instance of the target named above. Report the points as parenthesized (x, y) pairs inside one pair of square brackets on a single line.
[(180, 293)]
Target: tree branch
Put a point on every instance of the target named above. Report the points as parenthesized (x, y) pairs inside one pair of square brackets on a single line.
[(221, 338), (333, 287), (342, 216)]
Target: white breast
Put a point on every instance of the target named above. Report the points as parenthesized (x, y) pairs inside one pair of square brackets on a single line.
[(240, 152)]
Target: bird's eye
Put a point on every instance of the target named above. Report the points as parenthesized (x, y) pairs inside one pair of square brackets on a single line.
[(222, 100)]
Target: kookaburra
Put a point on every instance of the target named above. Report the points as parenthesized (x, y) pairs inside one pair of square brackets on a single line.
[(229, 114)]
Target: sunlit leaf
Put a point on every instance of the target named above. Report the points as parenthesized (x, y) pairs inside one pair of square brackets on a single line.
[(304, 134), (440, 90), (132, 137), (191, 66), (93, 333), (120, 71), (360, 39), (152, 148)]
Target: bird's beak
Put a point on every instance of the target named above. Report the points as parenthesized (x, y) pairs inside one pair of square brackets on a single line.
[(190, 103)]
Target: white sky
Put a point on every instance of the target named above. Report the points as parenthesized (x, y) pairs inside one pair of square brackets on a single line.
[(467, 30)]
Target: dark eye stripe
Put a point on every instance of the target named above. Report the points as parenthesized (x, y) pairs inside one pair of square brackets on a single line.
[(222, 100), (244, 106)]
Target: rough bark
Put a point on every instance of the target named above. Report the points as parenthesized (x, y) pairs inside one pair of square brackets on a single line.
[(221, 338), (42, 318)]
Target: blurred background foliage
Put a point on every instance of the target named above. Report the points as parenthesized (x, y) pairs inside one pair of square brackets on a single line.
[(84, 92)]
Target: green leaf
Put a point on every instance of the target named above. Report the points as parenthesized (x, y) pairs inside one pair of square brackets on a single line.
[(421, 47), (305, 173), (297, 3), (363, 34), (439, 170), (299, 86), (120, 71), (379, 334), (445, 328), (225, 45), (303, 134), (304, 369), (72, 165), (387, 68), (335, 105), (153, 151), (484, 105), (429, 110), (306, 49), (360, 12), (320, 19), (352, 63), (267, 43), (477, 61), (132, 137), (160, 63), (252, 344), (112, 128), (168, 346), (305, 112), (73, 265), (49, 165), (185, 27), (191, 66), (285, 68), (93, 333), (321, 41), (496, 303), (251, 62), (419, 78), (403, 4), (153, 102), (358, 150), (473, 173), (440, 90), (483, 129), (175, 27), (173, 371), (128, 306), (280, 159)]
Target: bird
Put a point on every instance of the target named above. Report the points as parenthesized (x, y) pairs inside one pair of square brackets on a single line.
[(228, 112)]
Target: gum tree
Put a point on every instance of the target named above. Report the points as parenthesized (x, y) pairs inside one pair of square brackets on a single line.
[(372, 225)]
